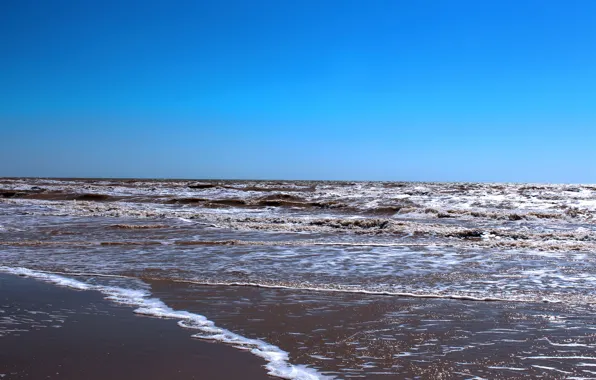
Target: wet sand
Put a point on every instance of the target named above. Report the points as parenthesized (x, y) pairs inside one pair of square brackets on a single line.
[(384, 337), (48, 332)]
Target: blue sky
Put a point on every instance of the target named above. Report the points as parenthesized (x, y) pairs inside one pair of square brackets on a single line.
[(379, 90)]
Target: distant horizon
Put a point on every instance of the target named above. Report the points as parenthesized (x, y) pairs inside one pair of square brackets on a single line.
[(285, 180), (456, 91)]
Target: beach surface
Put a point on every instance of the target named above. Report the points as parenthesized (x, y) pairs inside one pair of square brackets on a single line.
[(51, 332)]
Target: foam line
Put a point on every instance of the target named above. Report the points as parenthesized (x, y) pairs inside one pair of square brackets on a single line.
[(305, 288), (277, 360), (216, 242)]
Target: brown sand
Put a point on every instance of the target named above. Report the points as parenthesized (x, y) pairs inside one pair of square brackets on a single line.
[(101, 340)]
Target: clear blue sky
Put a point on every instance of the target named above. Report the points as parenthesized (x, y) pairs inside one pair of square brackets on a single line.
[(390, 90)]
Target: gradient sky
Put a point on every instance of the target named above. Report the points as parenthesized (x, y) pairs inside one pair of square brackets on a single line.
[(381, 90)]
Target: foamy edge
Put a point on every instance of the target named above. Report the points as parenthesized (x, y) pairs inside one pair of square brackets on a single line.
[(278, 364), (460, 297)]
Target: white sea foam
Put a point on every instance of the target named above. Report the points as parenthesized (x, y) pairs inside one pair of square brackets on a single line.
[(573, 357), (454, 296), (572, 344), (551, 369), (508, 368), (277, 360)]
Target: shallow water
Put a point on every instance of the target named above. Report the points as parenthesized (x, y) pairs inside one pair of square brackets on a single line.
[(351, 279)]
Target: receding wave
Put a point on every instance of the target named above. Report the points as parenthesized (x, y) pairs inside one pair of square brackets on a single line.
[(328, 289), (278, 364)]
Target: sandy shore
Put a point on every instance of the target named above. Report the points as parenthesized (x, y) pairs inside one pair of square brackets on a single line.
[(48, 332)]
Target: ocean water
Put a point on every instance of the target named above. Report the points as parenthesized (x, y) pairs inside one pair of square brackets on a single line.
[(330, 279)]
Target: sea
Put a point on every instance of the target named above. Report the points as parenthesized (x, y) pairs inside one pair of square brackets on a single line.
[(329, 280)]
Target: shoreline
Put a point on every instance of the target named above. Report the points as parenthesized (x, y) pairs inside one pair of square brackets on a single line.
[(53, 332)]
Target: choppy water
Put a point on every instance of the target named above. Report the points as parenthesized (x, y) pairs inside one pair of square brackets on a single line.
[(388, 280)]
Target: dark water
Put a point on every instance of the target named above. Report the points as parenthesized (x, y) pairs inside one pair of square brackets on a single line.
[(372, 280)]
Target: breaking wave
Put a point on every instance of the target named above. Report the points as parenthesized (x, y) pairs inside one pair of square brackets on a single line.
[(504, 216)]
